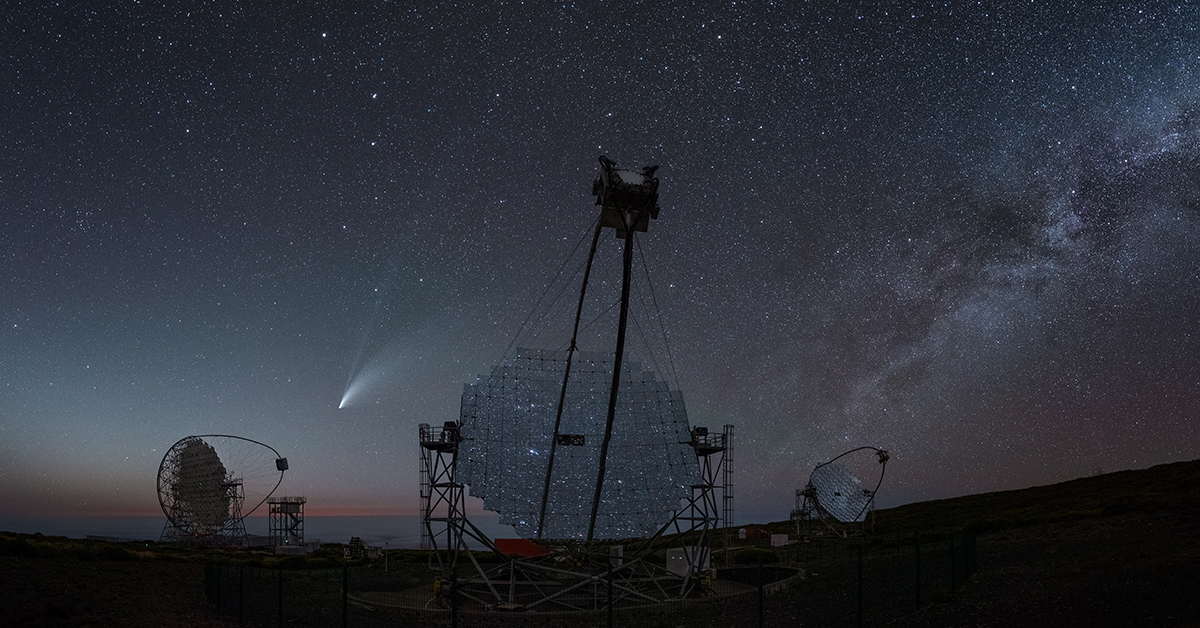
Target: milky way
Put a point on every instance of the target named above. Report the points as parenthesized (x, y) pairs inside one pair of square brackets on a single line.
[(966, 233)]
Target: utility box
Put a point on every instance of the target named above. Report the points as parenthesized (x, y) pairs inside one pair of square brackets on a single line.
[(679, 557)]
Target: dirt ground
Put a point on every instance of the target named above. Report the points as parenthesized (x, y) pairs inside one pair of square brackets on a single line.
[(1129, 570), (1125, 570), (1122, 570), (73, 591)]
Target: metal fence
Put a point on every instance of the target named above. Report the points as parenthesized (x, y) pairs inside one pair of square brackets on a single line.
[(877, 581), (828, 582)]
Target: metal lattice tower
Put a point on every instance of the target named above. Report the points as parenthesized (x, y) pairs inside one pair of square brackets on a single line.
[(426, 471), (443, 504), (588, 455), (286, 520), (727, 491)]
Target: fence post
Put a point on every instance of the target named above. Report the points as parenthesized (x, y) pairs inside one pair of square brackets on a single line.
[(953, 580), (860, 583), (610, 593), (454, 595), (241, 591), (280, 581), (345, 593), (761, 595), (917, 553), (971, 553)]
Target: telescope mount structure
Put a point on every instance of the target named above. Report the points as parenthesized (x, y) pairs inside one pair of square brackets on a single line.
[(206, 482), (833, 501), (588, 455)]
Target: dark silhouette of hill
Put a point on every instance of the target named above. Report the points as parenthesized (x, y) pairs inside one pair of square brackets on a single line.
[(1117, 549), (1173, 487), (1113, 549)]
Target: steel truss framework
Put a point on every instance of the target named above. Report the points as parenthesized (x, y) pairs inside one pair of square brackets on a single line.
[(570, 575), (286, 526), (207, 484), (578, 571), (201, 498), (230, 531)]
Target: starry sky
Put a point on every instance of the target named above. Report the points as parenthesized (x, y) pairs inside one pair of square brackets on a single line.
[(967, 233)]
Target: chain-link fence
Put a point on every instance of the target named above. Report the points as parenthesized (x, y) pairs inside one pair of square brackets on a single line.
[(828, 582), (871, 582)]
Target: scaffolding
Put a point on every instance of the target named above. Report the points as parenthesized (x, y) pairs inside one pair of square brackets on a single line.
[(286, 520), (592, 536), (727, 489), (221, 527), (567, 575)]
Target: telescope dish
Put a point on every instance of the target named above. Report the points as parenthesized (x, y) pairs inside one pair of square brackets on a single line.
[(840, 493), (205, 484), (508, 422), (835, 493)]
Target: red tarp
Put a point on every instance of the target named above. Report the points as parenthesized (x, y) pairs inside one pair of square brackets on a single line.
[(520, 548)]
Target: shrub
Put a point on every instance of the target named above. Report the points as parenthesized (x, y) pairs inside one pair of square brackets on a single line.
[(16, 547), (753, 555), (113, 552)]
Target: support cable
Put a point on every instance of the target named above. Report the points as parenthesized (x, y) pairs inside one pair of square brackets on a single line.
[(659, 315), (562, 395), (526, 324)]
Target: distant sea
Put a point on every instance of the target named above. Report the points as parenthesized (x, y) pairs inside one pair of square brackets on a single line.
[(394, 532)]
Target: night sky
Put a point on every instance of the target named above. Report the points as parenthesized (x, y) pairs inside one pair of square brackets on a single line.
[(967, 233)]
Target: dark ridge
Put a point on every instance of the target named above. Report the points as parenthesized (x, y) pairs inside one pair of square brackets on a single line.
[(1171, 487)]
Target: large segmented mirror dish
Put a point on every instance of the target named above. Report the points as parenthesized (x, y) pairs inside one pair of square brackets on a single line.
[(840, 493), (507, 421), (207, 484), (201, 489)]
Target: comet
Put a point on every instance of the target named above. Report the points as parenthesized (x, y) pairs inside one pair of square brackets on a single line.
[(369, 382), (367, 373)]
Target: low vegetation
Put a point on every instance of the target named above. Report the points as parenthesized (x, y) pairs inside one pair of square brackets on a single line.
[(1088, 548)]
